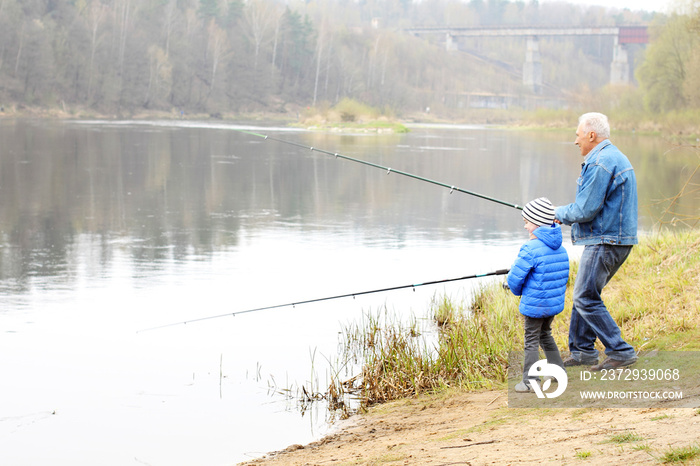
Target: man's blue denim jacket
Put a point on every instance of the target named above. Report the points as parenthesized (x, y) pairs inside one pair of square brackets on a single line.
[(605, 209)]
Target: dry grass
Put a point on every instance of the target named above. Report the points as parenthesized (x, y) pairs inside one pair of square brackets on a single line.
[(655, 297)]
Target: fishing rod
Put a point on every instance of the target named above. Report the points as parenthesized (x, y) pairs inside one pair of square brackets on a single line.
[(315, 300), (389, 170)]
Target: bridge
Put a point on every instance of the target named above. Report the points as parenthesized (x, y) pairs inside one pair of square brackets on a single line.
[(532, 67)]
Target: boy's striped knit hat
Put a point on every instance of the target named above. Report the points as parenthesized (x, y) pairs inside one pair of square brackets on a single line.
[(539, 211)]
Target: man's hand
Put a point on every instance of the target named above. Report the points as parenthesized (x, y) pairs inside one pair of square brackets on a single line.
[(556, 220)]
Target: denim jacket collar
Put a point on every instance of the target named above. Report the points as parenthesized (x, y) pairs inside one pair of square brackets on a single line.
[(589, 157)]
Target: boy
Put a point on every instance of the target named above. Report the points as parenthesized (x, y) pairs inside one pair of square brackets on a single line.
[(539, 275)]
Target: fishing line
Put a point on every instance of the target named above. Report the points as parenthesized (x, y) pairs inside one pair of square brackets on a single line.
[(388, 170), (315, 300)]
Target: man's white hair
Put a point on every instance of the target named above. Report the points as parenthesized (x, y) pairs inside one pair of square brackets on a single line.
[(596, 122)]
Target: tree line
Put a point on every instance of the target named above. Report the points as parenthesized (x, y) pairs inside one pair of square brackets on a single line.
[(235, 56)]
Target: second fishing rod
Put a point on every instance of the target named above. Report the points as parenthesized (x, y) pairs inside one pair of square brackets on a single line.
[(328, 298), (388, 170)]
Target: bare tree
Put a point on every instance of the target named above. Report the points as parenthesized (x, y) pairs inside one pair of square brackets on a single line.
[(216, 49), (19, 48), (169, 23), (94, 13), (260, 17), (124, 15), (373, 58), (159, 74), (319, 53), (2, 48), (278, 22)]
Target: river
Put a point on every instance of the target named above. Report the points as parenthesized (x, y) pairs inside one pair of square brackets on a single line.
[(111, 228)]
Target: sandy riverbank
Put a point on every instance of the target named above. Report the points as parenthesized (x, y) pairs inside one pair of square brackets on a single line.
[(478, 428)]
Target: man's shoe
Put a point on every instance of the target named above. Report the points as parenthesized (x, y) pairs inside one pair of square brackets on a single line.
[(523, 387), (611, 363), (572, 361)]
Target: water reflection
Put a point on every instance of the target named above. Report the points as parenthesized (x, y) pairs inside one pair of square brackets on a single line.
[(107, 228), (173, 191), (177, 191)]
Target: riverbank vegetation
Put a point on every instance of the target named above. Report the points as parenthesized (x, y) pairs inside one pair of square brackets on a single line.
[(350, 115), (233, 59), (654, 297), (678, 125)]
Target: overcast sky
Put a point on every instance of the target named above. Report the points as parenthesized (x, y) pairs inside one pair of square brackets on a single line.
[(649, 5)]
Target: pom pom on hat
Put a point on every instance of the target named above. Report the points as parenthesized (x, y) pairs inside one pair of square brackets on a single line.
[(539, 211)]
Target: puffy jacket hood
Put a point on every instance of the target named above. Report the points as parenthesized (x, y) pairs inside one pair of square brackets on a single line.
[(550, 236)]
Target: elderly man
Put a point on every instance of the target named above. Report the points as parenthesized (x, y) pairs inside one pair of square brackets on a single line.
[(603, 219)]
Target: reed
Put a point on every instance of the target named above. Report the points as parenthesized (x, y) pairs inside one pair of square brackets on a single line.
[(444, 310), (654, 297), (466, 348)]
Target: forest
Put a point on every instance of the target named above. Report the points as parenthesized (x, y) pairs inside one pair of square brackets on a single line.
[(237, 57)]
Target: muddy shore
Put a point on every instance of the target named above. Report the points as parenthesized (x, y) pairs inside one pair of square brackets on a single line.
[(478, 428)]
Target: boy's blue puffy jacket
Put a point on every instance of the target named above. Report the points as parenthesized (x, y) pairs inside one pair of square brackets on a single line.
[(540, 273)]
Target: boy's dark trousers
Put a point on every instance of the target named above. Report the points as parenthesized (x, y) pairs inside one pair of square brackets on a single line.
[(538, 333)]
